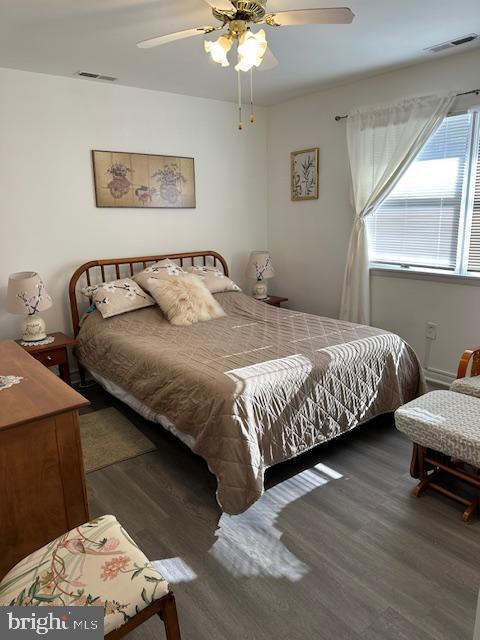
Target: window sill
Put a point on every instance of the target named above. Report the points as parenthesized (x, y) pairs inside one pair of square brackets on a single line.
[(424, 274)]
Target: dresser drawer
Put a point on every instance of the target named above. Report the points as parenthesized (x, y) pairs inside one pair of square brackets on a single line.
[(51, 358)]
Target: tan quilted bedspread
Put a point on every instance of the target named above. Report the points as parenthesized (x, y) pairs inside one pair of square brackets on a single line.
[(256, 387)]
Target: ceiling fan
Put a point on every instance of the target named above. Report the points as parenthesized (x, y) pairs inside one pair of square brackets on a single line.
[(252, 48)]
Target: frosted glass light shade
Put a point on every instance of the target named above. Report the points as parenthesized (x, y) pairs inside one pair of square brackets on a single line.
[(260, 266), (251, 49), (26, 294), (219, 49)]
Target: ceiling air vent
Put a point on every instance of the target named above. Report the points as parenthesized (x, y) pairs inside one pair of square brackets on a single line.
[(95, 76), (458, 42)]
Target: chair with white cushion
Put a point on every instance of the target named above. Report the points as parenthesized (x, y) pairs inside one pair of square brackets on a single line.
[(444, 427), (96, 564), (469, 385)]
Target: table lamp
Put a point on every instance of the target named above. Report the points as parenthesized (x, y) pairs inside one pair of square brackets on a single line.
[(260, 267), (26, 295)]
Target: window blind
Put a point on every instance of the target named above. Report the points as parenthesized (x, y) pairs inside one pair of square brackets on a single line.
[(418, 224), (474, 252)]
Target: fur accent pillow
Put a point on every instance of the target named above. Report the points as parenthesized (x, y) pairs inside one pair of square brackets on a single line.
[(163, 270), (185, 300), (213, 279)]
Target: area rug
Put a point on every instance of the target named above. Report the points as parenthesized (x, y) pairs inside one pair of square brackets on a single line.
[(109, 437)]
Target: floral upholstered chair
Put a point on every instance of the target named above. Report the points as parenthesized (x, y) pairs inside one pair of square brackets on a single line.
[(99, 565)]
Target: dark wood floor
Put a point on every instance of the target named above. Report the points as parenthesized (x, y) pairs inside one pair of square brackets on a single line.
[(337, 548)]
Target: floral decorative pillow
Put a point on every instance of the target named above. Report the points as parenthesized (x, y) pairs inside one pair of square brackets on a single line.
[(213, 279), (118, 296), (162, 270)]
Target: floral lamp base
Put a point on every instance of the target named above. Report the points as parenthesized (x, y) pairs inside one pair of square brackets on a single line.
[(260, 290), (33, 329)]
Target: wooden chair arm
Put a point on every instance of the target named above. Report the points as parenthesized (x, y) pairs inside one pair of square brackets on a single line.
[(464, 361)]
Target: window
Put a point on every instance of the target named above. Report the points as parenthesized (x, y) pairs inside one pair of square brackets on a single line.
[(431, 220), (474, 242)]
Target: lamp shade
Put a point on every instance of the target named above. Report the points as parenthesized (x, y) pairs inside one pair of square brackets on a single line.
[(260, 265), (251, 49), (26, 294), (219, 49)]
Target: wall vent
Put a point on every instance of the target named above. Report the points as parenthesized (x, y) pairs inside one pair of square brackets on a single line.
[(94, 76), (458, 42)]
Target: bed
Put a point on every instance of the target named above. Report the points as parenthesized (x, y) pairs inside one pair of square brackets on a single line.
[(248, 390)]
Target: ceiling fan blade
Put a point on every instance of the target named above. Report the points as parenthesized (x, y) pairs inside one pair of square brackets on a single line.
[(178, 35), (221, 5), (269, 61), (335, 15)]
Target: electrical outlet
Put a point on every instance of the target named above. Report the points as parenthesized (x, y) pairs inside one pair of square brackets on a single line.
[(431, 331)]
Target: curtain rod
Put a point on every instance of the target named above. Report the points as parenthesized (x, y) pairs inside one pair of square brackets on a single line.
[(465, 93)]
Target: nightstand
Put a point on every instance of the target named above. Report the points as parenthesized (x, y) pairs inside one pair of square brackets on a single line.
[(275, 301), (53, 354)]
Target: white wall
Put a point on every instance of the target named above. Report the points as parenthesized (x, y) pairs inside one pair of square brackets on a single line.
[(48, 219), (49, 222), (309, 239)]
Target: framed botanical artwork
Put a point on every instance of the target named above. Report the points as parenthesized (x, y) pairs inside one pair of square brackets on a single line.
[(304, 174), (145, 181)]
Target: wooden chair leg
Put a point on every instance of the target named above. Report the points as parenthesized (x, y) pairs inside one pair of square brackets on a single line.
[(431, 467), (170, 618), (414, 470), (167, 611), (425, 483), (418, 468), (470, 511)]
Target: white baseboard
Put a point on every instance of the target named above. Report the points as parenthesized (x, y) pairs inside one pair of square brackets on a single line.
[(439, 377)]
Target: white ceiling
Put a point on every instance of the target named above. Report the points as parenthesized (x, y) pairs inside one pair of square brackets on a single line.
[(64, 36)]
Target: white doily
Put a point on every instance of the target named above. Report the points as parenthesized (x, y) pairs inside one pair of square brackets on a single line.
[(9, 381), (47, 340)]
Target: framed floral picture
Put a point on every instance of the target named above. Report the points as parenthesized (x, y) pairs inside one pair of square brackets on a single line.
[(304, 174), (144, 181)]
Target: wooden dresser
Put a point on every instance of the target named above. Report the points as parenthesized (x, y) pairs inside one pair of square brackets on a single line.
[(42, 480)]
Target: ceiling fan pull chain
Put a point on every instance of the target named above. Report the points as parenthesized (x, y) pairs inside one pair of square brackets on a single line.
[(240, 121), (252, 114)]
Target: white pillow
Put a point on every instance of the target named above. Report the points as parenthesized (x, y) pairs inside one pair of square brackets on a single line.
[(185, 300), (118, 296), (162, 270), (213, 279)]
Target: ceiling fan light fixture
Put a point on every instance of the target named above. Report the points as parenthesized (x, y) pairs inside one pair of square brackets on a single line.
[(219, 49), (251, 49)]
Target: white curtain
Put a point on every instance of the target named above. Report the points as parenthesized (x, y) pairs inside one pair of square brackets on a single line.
[(382, 142)]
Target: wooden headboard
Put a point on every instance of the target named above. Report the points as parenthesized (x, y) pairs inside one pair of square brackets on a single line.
[(98, 271)]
